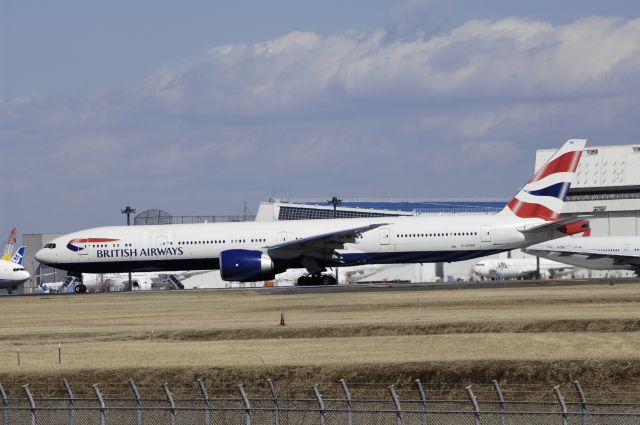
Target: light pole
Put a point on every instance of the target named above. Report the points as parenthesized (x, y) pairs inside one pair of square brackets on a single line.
[(335, 202), (128, 211)]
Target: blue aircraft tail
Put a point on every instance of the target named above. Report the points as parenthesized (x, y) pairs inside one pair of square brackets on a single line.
[(18, 257)]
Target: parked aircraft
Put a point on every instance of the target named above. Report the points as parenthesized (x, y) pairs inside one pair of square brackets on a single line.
[(12, 273), (254, 251), (101, 282), (599, 253), (515, 268)]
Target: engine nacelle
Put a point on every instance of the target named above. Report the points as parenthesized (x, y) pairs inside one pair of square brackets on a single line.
[(243, 265)]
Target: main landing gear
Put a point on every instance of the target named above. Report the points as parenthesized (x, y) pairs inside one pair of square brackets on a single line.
[(80, 288), (316, 280)]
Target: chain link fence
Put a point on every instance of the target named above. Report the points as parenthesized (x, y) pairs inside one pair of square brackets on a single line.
[(274, 409)]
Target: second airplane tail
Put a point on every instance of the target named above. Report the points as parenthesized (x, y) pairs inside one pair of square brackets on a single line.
[(543, 197), (18, 257)]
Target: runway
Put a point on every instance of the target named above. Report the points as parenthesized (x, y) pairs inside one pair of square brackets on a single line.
[(441, 286)]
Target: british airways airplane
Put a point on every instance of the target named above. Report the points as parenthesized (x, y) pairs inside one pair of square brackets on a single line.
[(254, 251)]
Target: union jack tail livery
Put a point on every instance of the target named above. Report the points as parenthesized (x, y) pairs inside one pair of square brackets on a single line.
[(543, 197)]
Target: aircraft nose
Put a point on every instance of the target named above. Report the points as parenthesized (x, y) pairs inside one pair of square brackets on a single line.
[(43, 256), (25, 275)]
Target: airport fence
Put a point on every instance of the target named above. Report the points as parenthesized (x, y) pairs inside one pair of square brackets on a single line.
[(275, 409)]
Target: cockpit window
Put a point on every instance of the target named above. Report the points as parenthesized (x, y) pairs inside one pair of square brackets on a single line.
[(50, 246)]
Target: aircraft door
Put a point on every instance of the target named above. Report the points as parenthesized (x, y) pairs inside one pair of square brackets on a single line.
[(485, 233), (385, 238), (161, 241)]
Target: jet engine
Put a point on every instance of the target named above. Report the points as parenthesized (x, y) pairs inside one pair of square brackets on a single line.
[(243, 265)]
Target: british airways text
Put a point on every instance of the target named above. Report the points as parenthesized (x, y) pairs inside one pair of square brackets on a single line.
[(134, 252)]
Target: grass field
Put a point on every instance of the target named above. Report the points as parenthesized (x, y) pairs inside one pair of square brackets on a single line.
[(527, 336)]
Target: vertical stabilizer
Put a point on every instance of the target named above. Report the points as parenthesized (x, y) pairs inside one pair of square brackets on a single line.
[(543, 197), (18, 257)]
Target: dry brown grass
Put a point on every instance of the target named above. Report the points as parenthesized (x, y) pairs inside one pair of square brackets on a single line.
[(456, 336)]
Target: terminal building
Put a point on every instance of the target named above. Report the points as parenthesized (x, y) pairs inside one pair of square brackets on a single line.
[(607, 187)]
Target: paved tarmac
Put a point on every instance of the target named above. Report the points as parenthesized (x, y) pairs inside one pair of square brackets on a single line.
[(390, 286), (442, 286)]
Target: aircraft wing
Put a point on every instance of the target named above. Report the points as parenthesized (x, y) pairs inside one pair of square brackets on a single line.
[(559, 225), (320, 246)]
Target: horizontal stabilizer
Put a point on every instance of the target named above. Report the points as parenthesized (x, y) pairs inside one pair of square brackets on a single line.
[(560, 225)]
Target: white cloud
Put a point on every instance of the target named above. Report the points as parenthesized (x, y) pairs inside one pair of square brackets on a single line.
[(386, 112)]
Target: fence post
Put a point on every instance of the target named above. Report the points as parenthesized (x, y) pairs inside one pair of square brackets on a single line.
[(32, 403), (72, 407), (396, 402), (474, 403), (274, 397), (205, 395), (247, 405), (423, 400), (320, 403), (347, 397), (172, 404), (103, 414), (583, 404), (563, 405), (136, 394), (5, 406), (496, 386)]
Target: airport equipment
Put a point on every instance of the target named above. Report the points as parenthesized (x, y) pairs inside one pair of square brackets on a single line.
[(403, 408)]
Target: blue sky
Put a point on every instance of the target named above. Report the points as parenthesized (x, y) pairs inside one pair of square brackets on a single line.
[(195, 107)]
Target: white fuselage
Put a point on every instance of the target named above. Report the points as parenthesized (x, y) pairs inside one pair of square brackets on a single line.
[(198, 246), (511, 268), (12, 275), (598, 253)]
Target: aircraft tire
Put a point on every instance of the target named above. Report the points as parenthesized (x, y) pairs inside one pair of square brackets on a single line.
[(83, 288), (77, 289), (328, 280)]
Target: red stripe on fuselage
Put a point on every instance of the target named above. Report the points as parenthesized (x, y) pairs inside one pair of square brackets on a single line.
[(566, 163), (527, 210), (90, 240)]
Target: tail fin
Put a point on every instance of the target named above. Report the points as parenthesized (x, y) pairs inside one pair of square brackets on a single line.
[(18, 257), (543, 197)]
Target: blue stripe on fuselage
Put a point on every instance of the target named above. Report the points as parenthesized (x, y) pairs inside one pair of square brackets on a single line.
[(353, 259)]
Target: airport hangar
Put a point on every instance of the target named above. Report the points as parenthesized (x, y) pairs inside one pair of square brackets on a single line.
[(607, 187)]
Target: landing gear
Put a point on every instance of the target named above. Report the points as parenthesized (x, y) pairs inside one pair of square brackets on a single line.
[(80, 288), (316, 280)]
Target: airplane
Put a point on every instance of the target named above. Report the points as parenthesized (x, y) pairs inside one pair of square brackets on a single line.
[(12, 273), (255, 251), (514, 268), (101, 282), (598, 253)]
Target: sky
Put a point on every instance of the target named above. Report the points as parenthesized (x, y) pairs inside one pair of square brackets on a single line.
[(197, 107)]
